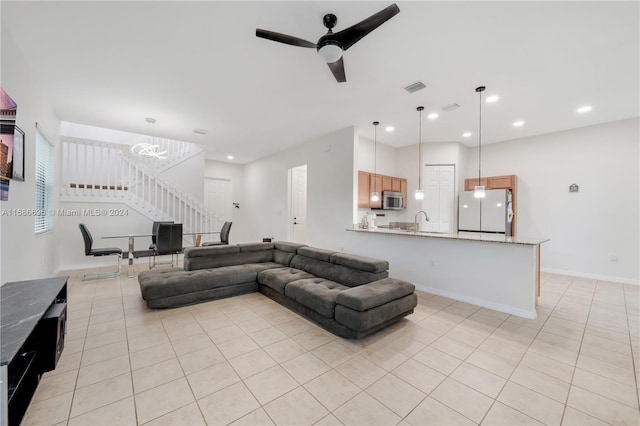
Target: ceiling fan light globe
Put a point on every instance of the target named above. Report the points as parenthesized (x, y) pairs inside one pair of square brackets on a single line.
[(330, 53)]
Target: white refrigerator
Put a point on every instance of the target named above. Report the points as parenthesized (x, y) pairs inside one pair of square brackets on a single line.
[(493, 213)]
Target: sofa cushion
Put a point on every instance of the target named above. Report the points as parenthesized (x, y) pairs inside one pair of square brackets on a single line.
[(283, 257), (171, 282), (374, 294), (364, 320), (206, 251), (278, 278), (317, 294), (287, 246), (244, 247), (316, 253), (223, 258), (338, 273), (361, 263)]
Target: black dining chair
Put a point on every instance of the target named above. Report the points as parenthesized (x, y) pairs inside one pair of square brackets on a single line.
[(168, 241), (97, 252), (154, 232), (224, 236)]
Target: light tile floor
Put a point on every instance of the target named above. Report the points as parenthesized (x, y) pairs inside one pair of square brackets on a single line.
[(247, 360)]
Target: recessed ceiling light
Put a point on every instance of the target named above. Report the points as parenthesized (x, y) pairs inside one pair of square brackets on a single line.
[(518, 123), (432, 116), (389, 128), (230, 157), (492, 98), (584, 109), (200, 131), (466, 135)]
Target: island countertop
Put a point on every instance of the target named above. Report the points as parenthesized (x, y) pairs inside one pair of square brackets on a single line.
[(465, 236)]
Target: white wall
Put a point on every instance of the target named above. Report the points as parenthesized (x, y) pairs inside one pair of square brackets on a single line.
[(187, 176), (385, 157), (23, 254), (330, 190), (589, 228)]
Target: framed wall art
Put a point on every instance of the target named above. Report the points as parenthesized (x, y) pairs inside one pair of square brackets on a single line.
[(18, 155)]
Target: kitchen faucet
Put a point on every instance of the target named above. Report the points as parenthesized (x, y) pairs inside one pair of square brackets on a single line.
[(416, 219)]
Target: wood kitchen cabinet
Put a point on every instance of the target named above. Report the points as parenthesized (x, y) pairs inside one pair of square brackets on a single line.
[(363, 189), (403, 189), (396, 184), (470, 184), (491, 182), (375, 184), (386, 183), (369, 182)]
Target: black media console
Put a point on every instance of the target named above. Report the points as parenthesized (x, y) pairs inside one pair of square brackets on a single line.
[(32, 326)]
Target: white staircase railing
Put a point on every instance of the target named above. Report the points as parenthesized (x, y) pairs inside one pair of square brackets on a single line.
[(104, 172)]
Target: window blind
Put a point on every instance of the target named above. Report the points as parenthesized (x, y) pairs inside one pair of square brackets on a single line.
[(44, 184)]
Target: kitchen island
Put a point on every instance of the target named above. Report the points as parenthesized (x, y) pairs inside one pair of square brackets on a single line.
[(489, 270)]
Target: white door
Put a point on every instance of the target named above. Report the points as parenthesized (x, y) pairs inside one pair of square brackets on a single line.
[(439, 200), (298, 203), (217, 200)]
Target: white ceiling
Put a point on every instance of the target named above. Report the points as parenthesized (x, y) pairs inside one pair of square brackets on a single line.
[(200, 65)]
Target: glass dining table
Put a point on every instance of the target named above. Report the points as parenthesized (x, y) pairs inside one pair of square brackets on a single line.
[(196, 238)]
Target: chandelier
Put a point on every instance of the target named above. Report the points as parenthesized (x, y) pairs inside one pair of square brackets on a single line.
[(144, 149), (149, 150)]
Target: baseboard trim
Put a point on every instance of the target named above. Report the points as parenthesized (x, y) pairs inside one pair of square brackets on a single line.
[(481, 302), (610, 278)]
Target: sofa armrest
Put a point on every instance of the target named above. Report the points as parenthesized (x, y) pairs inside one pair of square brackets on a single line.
[(373, 294)]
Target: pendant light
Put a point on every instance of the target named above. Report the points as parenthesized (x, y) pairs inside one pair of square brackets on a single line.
[(375, 196), (419, 191), (149, 149), (478, 191)]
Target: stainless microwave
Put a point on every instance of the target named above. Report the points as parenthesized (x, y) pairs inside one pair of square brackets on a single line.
[(392, 200)]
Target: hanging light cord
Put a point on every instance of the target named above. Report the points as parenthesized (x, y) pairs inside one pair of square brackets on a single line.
[(375, 153), (480, 90), (420, 108)]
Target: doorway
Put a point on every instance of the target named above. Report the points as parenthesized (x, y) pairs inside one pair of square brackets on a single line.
[(297, 229), (439, 200), (217, 201)]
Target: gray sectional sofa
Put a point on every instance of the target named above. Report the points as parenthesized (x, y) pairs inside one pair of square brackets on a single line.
[(351, 296)]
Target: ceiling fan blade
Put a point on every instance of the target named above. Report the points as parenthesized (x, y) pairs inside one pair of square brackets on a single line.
[(337, 68), (283, 38), (350, 36)]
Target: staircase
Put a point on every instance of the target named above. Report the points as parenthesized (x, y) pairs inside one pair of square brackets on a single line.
[(105, 172)]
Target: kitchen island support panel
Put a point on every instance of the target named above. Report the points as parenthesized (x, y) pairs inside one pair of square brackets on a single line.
[(492, 272)]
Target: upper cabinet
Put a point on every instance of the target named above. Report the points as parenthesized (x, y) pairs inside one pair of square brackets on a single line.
[(363, 189), (369, 182), (375, 184), (491, 182)]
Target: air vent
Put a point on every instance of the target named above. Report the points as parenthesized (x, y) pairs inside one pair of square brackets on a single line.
[(412, 88), (451, 107)]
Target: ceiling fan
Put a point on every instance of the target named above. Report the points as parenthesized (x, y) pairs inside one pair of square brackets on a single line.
[(331, 45)]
